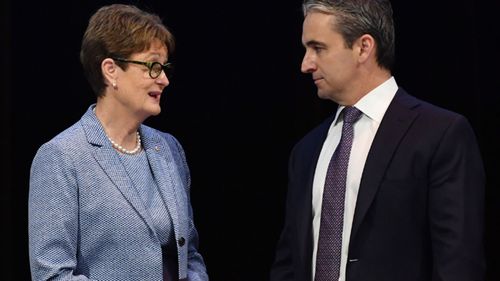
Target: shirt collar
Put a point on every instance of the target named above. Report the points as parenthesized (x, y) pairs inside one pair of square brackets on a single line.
[(375, 103)]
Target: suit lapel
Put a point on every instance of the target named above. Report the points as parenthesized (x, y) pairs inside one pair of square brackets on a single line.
[(110, 163), (396, 122), (166, 176), (307, 161), (113, 167)]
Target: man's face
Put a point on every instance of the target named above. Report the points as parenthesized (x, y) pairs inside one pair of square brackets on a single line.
[(331, 63)]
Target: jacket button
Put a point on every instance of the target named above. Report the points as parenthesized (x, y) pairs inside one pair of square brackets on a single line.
[(181, 241)]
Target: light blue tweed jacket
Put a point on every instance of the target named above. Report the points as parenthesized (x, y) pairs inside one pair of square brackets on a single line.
[(86, 222)]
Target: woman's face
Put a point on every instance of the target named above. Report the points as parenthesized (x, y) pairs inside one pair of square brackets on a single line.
[(135, 89)]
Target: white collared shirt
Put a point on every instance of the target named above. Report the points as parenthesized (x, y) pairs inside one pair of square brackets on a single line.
[(373, 106)]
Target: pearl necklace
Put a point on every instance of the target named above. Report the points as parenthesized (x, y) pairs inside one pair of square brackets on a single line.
[(126, 151), (121, 148)]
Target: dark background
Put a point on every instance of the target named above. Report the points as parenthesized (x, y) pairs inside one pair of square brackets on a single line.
[(237, 103)]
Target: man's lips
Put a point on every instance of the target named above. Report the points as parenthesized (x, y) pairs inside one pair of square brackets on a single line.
[(317, 79)]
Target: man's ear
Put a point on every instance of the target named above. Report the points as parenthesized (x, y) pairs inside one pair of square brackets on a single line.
[(109, 71), (365, 45)]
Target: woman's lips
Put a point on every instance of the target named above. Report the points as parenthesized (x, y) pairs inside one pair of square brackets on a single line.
[(155, 95)]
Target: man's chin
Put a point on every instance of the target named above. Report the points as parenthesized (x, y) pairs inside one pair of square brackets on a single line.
[(322, 94)]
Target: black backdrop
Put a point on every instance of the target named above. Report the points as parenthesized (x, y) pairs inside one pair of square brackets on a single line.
[(237, 103)]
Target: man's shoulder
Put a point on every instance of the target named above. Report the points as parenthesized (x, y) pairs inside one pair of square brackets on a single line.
[(315, 137), (430, 113), (422, 106)]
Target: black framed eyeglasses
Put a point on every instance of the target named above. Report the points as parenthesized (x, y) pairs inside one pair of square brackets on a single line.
[(155, 68)]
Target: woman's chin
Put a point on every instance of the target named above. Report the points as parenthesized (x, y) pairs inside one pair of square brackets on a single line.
[(155, 110)]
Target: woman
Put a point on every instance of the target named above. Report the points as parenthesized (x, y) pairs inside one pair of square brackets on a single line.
[(109, 197)]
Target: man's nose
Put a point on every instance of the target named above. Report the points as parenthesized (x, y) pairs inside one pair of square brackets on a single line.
[(308, 65)]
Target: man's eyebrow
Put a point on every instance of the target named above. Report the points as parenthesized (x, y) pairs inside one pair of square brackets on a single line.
[(314, 43)]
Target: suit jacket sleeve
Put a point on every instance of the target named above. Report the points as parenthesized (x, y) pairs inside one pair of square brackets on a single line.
[(283, 268), (53, 216), (456, 195)]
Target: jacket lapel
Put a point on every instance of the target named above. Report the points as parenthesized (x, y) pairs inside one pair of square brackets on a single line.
[(307, 161), (396, 122), (110, 163), (166, 175)]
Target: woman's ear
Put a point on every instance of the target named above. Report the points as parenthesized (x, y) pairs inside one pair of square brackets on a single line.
[(366, 47), (109, 71)]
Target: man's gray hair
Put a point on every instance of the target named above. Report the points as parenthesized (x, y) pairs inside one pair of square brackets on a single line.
[(354, 18)]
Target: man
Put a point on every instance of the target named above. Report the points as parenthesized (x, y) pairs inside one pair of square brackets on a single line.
[(390, 188)]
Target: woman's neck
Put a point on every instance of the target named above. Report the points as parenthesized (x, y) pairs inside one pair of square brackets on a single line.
[(120, 125)]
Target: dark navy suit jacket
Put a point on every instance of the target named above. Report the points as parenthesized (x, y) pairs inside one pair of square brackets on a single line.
[(419, 212)]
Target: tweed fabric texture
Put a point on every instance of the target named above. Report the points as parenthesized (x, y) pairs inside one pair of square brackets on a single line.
[(86, 220), (137, 167), (332, 209)]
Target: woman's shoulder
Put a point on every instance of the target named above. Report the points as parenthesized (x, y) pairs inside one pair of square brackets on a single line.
[(70, 139), (152, 134), (152, 137)]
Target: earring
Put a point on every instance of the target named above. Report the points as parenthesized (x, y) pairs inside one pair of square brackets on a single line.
[(114, 84)]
